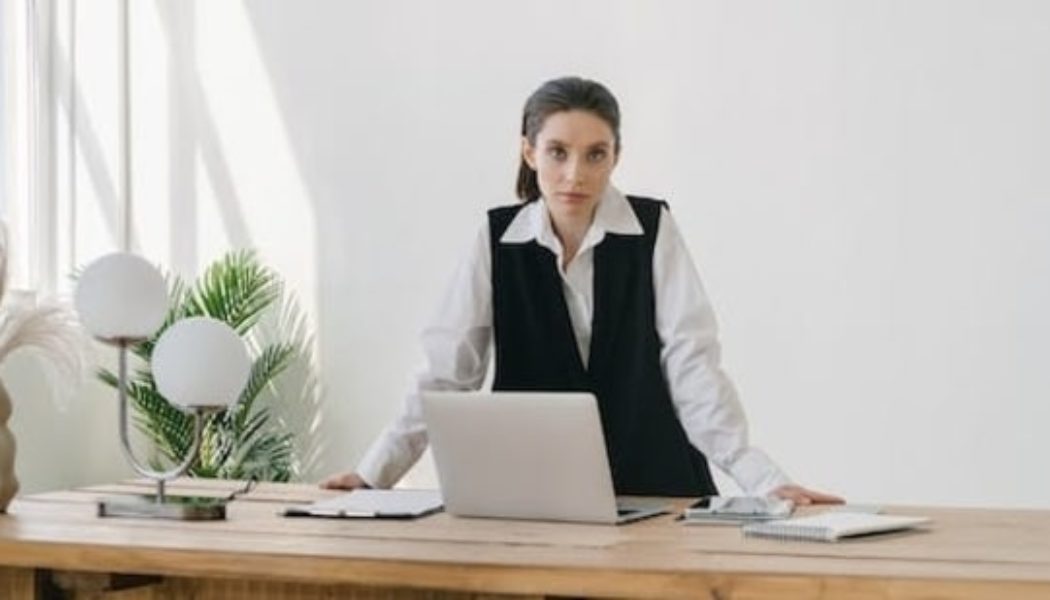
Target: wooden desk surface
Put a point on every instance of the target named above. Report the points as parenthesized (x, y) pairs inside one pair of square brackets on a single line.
[(965, 553)]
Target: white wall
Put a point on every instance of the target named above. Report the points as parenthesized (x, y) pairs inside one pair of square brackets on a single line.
[(863, 185)]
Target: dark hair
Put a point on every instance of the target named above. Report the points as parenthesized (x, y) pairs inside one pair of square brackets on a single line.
[(557, 95)]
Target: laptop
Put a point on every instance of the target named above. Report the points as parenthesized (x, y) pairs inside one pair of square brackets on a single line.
[(526, 455)]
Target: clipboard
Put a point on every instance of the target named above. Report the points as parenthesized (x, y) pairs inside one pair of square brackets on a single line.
[(372, 504)]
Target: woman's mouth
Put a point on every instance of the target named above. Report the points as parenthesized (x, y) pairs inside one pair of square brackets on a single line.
[(572, 196)]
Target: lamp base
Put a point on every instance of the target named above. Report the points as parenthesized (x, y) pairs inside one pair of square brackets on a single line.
[(179, 508)]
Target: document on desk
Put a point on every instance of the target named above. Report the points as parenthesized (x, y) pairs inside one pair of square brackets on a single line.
[(372, 504), (832, 526)]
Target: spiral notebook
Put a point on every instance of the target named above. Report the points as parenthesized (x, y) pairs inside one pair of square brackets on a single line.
[(832, 526)]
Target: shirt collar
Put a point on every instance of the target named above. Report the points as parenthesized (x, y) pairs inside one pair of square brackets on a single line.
[(613, 215)]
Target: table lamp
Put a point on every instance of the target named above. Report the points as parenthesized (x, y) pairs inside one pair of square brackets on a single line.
[(199, 364)]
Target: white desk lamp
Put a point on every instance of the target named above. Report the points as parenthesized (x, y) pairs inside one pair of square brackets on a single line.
[(199, 364)]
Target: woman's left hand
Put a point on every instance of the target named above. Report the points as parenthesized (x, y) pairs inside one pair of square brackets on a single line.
[(803, 497)]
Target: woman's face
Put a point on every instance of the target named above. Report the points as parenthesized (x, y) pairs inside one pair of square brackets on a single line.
[(573, 157)]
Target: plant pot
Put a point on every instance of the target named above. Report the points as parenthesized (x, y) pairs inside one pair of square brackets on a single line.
[(8, 481)]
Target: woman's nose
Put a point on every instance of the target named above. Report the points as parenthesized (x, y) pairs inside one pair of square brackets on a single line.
[(574, 171)]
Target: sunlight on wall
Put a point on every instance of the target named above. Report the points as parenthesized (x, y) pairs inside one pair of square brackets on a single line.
[(153, 96), (213, 165), (98, 148), (258, 191), (211, 169)]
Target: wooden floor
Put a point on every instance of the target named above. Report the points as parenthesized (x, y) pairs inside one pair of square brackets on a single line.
[(53, 545)]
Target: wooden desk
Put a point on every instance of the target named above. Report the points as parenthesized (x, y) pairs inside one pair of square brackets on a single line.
[(53, 541)]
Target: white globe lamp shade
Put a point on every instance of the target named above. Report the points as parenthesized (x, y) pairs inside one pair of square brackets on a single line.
[(121, 297), (200, 363)]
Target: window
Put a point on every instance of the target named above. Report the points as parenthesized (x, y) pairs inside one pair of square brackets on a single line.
[(17, 153), (28, 113)]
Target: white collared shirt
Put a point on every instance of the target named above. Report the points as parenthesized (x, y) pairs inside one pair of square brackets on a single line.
[(458, 340)]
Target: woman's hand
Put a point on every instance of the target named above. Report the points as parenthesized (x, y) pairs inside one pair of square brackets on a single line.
[(344, 481), (803, 497)]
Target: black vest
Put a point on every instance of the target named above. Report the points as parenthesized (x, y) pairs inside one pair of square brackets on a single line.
[(536, 350)]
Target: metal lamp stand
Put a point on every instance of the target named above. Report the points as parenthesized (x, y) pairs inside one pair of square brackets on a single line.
[(159, 505)]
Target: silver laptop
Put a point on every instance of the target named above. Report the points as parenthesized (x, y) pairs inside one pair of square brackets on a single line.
[(524, 455)]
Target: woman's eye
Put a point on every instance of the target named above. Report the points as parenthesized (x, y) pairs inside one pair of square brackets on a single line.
[(557, 153), (597, 155)]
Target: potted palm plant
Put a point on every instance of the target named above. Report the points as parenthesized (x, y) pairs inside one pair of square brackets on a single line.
[(245, 441)]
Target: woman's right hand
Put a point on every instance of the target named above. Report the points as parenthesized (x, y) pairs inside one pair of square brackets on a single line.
[(344, 481)]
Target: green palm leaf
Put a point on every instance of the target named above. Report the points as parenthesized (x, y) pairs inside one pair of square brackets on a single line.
[(235, 290), (243, 441)]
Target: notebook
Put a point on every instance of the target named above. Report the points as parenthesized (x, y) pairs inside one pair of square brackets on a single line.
[(372, 504), (831, 526)]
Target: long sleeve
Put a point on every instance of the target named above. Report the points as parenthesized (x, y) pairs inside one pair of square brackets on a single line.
[(456, 345), (704, 398)]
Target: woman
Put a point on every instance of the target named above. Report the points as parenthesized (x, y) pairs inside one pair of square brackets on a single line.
[(579, 287)]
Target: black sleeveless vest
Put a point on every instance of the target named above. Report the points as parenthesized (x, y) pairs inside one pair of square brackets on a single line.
[(536, 350)]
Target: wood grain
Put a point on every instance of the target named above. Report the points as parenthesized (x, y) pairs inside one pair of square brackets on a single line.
[(965, 553)]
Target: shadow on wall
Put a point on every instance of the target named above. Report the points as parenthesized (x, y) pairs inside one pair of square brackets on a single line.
[(249, 185), (202, 175), (295, 399)]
